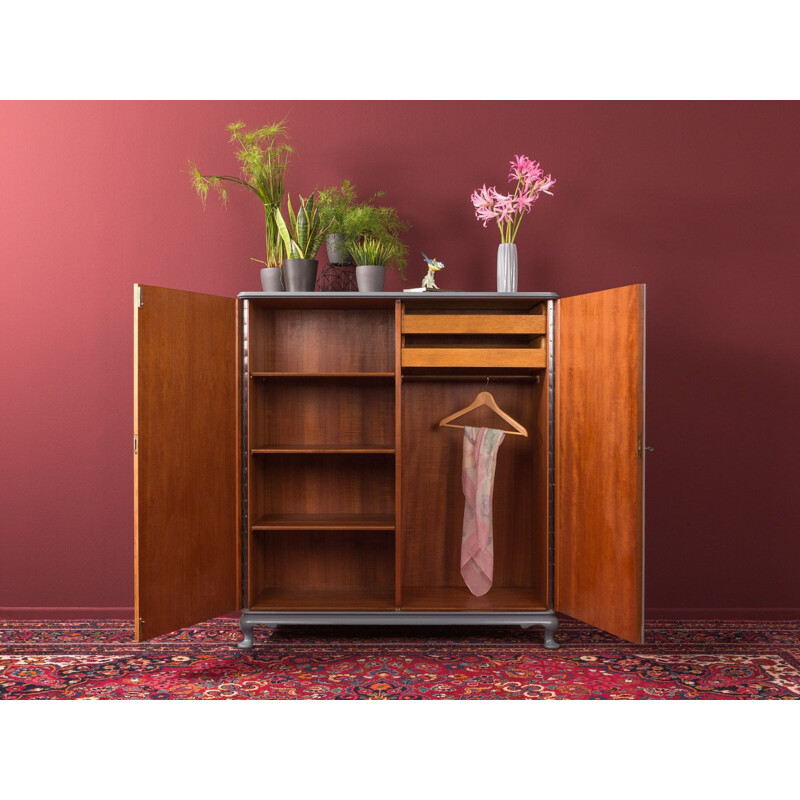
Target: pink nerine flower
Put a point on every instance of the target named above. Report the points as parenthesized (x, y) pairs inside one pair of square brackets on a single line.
[(503, 206), (507, 210), (483, 200), (526, 170), (546, 184)]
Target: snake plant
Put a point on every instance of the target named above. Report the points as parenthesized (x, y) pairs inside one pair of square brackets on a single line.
[(305, 232)]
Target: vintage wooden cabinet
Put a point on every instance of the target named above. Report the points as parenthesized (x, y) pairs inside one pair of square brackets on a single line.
[(288, 460)]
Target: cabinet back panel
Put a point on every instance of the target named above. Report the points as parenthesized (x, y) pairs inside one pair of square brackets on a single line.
[(322, 484), (324, 411), (321, 340), (323, 559), (432, 498)]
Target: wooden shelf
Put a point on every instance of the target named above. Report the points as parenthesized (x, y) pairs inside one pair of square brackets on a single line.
[(325, 522), (323, 448), (349, 598), (322, 374), (459, 598)]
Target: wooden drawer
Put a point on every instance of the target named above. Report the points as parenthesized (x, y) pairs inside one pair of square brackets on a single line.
[(475, 324), (517, 357), (474, 340)]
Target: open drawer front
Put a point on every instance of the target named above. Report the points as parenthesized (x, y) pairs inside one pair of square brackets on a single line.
[(478, 339)]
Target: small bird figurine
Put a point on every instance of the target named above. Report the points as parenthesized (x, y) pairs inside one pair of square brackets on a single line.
[(429, 281)]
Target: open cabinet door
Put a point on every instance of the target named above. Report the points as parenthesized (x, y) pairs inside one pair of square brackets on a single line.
[(185, 459), (599, 508)]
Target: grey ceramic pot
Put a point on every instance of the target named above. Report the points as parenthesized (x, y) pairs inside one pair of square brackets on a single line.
[(337, 254), (370, 278), (272, 279), (300, 274)]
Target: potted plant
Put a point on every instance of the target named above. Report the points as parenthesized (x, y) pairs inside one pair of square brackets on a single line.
[(371, 255), (264, 157), (350, 221), (301, 244)]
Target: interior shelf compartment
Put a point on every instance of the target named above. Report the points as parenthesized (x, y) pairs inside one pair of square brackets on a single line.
[(432, 499), (317, 570), (320, 340), (325, 522), (459, 598), (322, 413), (337, 485)]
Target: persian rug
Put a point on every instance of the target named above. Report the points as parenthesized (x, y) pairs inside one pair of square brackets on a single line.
[(693, 660)]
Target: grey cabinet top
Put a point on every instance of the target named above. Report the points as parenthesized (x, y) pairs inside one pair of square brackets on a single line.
[(443, 295)]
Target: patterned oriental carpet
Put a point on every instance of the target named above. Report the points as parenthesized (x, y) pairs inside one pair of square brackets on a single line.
[(97, 659)]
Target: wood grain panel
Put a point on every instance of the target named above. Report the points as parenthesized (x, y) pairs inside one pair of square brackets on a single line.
[(473, 357), (432, 498), (474, 323), (459, 598), (343, 567), (322, 340), (185, 417), (599, 474), (322, 484), (324, 411)]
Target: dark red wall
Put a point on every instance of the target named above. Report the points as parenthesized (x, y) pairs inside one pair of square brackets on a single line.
[(700, 201)]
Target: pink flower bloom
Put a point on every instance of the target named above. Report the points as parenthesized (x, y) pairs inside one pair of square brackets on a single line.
[(507, 208), (483, 200), (504, 206), (546, 184), (523, 201), (525, 170)]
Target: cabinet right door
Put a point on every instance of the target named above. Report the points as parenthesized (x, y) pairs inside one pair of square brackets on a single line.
[(599, 459)]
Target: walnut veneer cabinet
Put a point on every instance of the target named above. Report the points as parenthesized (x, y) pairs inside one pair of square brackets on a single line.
[(288, 461)]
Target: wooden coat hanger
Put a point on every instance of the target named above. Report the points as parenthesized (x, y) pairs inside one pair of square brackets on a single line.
[(485, 399)]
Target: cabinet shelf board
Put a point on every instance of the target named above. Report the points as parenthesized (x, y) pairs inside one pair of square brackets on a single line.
[(459, 598), (322, 374), (322, 448), (325, 522), (349, 598)]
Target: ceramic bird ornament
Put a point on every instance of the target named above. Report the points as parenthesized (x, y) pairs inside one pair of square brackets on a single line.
[(429, 281)]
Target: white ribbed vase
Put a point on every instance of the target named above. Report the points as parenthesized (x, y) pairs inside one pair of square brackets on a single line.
[(507, 268)]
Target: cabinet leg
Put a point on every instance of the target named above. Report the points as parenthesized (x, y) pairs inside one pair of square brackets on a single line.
[(550, 627), (246, 627)]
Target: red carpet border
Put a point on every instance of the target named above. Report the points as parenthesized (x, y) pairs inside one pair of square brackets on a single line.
[(694, 660)]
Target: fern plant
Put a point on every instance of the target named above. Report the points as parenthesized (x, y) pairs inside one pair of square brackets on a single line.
[(356, 220), (307, 229), (263, 154)]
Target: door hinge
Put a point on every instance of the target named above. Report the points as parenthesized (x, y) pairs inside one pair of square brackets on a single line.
[(139, 297), (141, 621), (136, 445), (639, 448)]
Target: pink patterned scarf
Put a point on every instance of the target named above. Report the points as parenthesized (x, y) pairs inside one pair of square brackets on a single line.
[(477, 479)]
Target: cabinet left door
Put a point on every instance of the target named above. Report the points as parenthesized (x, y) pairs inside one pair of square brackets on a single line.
[(185, 465)]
